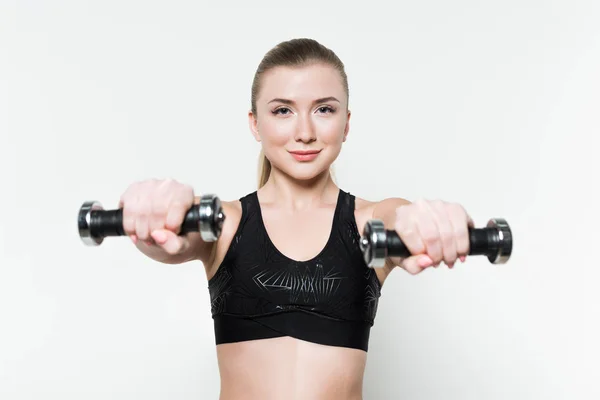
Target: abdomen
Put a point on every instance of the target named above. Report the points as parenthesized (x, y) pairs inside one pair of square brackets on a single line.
[(291, 369)]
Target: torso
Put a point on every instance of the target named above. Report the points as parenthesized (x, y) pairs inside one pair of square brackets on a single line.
[(285, 367)]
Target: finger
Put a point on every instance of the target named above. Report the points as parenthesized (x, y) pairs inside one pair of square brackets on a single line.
[(141, 223), (169, 241), (429, 233), (460, 223), (129, 208), (159, 210), (440, 214), (174, 218)]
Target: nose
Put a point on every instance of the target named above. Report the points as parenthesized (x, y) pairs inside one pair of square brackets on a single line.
[(305, 131)]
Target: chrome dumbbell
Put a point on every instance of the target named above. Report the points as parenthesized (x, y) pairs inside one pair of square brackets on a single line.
[(494, 241), (95, 223)]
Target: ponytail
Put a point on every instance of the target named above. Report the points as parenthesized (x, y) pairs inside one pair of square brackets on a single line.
[(264, 169)]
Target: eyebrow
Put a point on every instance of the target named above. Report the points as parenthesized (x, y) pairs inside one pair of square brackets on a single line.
[(321, 100)]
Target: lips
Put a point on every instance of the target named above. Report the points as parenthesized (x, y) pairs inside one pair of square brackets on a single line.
[(305, 155), (305, 152)]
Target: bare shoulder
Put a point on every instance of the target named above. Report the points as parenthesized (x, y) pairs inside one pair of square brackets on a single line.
[(233, 214)]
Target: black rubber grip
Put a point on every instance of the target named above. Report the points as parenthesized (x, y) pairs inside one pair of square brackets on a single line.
[(104, 223), (482, 241)]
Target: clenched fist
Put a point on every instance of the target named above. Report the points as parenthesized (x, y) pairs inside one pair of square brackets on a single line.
[(434, 232), (153, 211)]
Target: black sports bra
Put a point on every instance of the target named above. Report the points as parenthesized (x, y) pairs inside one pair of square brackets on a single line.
[(257, 292)]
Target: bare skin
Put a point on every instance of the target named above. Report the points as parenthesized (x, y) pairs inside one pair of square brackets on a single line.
[(297, 109), (267, 369)]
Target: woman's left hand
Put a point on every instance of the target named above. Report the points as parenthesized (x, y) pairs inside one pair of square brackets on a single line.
[(434, 232)]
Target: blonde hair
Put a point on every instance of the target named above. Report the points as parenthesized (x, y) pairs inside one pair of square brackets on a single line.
[(294, 52), (264, 169)]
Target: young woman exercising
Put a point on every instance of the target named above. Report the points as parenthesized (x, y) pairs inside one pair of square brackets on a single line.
[(291, 296)]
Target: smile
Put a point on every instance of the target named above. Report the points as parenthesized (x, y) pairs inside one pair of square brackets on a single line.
[(305, 155)]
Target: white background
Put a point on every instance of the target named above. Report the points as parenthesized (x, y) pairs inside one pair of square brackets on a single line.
[(494, 104)]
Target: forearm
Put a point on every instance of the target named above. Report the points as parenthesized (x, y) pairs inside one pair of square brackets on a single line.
[(158, 254), (385, 210)]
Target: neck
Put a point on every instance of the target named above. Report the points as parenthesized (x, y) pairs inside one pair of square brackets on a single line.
[(299, 194)]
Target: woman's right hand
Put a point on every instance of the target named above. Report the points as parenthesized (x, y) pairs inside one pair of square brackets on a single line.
[(153, 211)]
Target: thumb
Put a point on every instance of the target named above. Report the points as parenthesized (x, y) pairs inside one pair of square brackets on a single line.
[(416, 264), (169, 241)]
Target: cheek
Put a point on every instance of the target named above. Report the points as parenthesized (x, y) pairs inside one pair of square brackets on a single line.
[(331, 131), (276, 132)]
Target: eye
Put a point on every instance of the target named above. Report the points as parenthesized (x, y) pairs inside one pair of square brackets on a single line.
[(281, 111), (326, 109)]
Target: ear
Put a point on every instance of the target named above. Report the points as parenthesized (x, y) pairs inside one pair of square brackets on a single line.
[(347, 127), (253, 123)]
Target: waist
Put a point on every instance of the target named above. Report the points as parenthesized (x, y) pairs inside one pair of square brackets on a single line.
[(266, 369), (299, 324)]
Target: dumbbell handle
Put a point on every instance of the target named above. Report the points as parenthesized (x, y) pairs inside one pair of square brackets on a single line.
[(493, 241), (95, 223), (482, 241), (110, 222)]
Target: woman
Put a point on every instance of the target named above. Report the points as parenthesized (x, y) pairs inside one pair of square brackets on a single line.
[(291, 297)]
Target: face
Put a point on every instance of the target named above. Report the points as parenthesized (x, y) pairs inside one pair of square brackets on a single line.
[(301, 119)]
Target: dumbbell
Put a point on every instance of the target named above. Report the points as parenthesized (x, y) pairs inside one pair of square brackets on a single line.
[(494, 241), (95, 223)]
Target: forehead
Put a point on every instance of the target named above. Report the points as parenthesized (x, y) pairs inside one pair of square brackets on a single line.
[(302, 83)]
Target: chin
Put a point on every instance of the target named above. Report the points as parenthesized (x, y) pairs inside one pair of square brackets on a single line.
[(305, 173)]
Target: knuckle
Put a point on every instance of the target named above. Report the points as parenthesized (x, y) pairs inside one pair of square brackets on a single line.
[(159, 207), (406, 231), (143, 208), (132, 209), (438, 204), (458, 210), (177, 204), (187, 191), (447, 237), (421, 203), (456, 206), (430, 237), (156, 222), (167, 183)]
